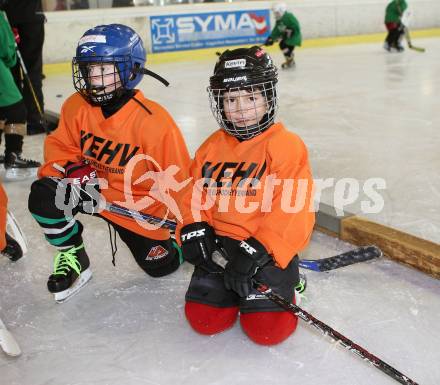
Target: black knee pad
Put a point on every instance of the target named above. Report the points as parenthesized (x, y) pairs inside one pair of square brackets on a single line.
[(42, 196), (208, 288), (281, 281), (161, 258)]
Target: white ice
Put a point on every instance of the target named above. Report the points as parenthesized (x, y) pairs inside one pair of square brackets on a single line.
[(363, 113)]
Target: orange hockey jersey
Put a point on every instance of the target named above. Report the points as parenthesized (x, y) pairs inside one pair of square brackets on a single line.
[(109, 144), (260, 187)]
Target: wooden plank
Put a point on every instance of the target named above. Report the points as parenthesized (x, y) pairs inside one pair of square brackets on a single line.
[(408, 249)]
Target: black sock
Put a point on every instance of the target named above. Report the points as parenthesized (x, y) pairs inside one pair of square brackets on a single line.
[(13, 143)]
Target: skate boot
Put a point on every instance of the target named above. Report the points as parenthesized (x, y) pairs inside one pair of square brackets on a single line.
[(71, 272), (13, 249), (18, 168), (290, 62), (386, 46)]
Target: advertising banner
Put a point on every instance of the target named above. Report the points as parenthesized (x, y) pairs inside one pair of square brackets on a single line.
[(205, 30)]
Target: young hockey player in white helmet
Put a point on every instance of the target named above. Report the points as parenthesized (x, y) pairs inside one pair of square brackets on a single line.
[(287, 29), (231, 171), (105, 124)]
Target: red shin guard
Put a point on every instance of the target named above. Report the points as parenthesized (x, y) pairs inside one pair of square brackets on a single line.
[(206, 319), (268, 328)]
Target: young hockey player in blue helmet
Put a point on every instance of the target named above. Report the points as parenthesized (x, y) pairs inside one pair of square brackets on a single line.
[(102, 127)]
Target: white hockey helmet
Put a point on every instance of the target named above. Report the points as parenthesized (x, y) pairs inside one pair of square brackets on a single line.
[(279, 9)]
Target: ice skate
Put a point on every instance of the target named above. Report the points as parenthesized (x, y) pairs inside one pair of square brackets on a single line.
[(18, 168), (12, 250), (289, 63), (71, 273)]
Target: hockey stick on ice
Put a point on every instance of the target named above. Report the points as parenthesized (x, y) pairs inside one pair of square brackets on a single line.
[(408, 40), (360, 254), (351, 257), (7, 341), (219, 259)]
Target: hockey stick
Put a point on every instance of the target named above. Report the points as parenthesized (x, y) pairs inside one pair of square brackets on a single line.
[(408, 40), (25, 75), (128, 213), (219, 259), (7, 341), (351, 257), (335, 335), (360, 254)]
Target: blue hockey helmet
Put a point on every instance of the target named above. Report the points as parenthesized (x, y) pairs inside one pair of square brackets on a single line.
[(108, 44)]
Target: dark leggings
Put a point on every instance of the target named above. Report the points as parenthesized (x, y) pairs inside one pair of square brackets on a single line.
[(287, 49)]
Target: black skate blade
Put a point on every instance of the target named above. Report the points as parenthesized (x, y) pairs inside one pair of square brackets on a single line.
[(65, 295)]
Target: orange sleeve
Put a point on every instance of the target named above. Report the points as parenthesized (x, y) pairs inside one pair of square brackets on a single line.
[(283, 233), (63, 144)]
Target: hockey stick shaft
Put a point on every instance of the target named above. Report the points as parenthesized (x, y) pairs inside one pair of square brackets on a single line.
[(7, 341), (335, 335), (128, 213), (219, 259), (410, 45), (358, 255)]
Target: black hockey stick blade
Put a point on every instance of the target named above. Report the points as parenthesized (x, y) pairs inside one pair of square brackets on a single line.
[(360, 254)]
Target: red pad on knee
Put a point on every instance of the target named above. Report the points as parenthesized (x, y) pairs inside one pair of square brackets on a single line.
[(206, 319), (268, 328)]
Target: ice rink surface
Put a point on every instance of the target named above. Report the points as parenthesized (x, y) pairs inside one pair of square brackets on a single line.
[(362, 113)]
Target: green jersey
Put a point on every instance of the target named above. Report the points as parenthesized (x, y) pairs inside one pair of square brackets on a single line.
[(394, 11), (288, 29), (9, 93)]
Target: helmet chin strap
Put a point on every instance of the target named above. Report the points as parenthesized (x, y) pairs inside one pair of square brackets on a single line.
[(152, 74)]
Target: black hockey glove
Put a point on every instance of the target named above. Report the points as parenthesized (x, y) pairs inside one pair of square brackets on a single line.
[(269, 41), (243, 266), (198, 244)]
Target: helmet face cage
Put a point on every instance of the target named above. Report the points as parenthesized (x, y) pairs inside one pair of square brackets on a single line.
[(100, 88), (242, 92), (240, 119), (113, 44)]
